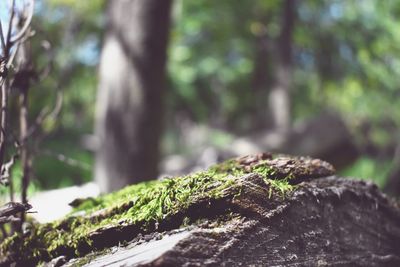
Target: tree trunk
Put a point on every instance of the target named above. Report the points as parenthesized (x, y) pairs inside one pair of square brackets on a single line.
[(261, 80), (392, 186), (280, 93), (131, 88)]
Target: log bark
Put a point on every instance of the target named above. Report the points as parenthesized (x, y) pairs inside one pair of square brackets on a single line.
[(328, 222), (257, 210)]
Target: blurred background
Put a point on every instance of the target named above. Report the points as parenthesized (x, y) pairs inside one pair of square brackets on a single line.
[(307, 77)]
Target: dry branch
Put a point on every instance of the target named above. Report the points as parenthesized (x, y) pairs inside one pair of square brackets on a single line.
[(14, 44), (13, 208)]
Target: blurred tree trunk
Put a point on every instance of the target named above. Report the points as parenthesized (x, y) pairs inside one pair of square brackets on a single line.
[(261, 79), (131, 88), (280, 94), (392, 186)]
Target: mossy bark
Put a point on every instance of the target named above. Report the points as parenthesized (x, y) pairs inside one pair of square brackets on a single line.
[(158, 206)]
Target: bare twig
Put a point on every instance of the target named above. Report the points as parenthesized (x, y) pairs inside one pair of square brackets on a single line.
[(45, 71), (3, 70), (16, 43), (10, 25), (13, 208), (8, 219), (3, 121), (11, 57), (2, 40), (4, 91), (25, 157), (5, 170), (45, 114), (67, 160), (26, 25)]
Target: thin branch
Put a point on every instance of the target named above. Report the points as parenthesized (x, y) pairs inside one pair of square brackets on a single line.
[(3, 121), (24, 151), (3, 70), (5, 170), (12, 56), (3, 43), (57, 108), (10, 25), (65, 159), (45, 113), (44, 73), (13, 208), (11, 47), (27, 23), (8, 219)]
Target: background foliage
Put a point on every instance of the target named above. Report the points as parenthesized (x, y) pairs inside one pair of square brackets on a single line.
[(346, 59)]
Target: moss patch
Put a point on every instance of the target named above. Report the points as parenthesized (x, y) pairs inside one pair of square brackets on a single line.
[(143, 206)]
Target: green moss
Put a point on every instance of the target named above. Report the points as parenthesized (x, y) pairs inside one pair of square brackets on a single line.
[(281, 186), (140, 204)]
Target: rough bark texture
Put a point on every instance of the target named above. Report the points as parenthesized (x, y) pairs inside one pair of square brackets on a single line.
[(129, 104), (327, 222)]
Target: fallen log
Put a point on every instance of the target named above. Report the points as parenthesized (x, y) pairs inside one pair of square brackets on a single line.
[(259, 210)]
